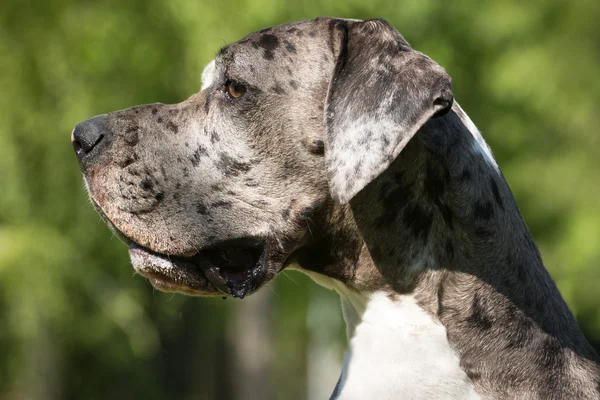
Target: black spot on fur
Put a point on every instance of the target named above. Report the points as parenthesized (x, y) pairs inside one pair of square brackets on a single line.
[(552, 355), (131, 135), (288, 164), (222, 204), (146, 184), (195, 158), (293, 84), (232, 166), (307, 212), (277, 89), (207, 103), (172, 127), (479, 318), (214, 137), (483, 210), (440, 299), (365, 139), (159, 120), (269, 43), (473, 375), (385, 141), (201, 209), (522, 333), (290, 47), (286, 213), (154, 110), (317, 147), (159, 196)]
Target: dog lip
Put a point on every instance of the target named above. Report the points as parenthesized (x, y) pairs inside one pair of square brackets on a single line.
[(234, 267)]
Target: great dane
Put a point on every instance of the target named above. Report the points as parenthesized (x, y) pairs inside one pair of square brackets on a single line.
[(332, 147)]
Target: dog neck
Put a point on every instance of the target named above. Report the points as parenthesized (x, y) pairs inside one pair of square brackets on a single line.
[(394, 347), (439, 234)]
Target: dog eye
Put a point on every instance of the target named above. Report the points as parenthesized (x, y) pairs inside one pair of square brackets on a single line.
[(235, 90)]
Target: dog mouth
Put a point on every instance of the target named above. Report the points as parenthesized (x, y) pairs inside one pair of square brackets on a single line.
[(234, 267)]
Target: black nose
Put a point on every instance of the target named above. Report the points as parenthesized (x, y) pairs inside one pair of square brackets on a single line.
[(88, 134)]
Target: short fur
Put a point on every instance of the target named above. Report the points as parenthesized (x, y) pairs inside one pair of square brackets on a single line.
[(349, 157)]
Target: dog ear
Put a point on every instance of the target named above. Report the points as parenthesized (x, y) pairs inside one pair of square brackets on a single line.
[(381, 93)]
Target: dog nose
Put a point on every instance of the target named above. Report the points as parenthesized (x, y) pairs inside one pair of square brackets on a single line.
[(88, 134)]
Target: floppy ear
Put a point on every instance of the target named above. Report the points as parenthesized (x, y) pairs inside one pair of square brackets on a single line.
[(381, 93)]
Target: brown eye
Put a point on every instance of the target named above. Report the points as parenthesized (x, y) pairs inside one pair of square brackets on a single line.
[(235, 89)]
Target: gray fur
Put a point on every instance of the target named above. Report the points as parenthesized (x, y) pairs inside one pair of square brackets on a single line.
[(381, 93), (427, 215)]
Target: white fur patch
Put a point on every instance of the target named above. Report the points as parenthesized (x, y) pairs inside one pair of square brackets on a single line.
[(208, 75), (397, 350), (352, 165), (479, 145)]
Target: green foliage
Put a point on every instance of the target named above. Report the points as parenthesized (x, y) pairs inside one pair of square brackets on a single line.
[(74, 321)]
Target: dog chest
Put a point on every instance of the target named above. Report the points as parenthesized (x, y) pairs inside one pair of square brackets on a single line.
[(398, 348)]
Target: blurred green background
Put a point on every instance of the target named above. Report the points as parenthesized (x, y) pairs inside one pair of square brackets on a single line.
[(75, 323)]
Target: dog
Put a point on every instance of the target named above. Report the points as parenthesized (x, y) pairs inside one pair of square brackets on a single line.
[(332, 147)]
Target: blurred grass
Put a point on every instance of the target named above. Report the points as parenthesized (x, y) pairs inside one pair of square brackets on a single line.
[(74, 321)]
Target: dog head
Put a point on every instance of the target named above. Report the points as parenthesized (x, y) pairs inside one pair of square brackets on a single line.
[(215, 195)]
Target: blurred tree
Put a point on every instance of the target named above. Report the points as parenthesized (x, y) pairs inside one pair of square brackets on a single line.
[(75, 324)]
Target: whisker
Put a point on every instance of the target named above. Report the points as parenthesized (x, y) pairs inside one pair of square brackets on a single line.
[(289, 277), (273, 290)]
